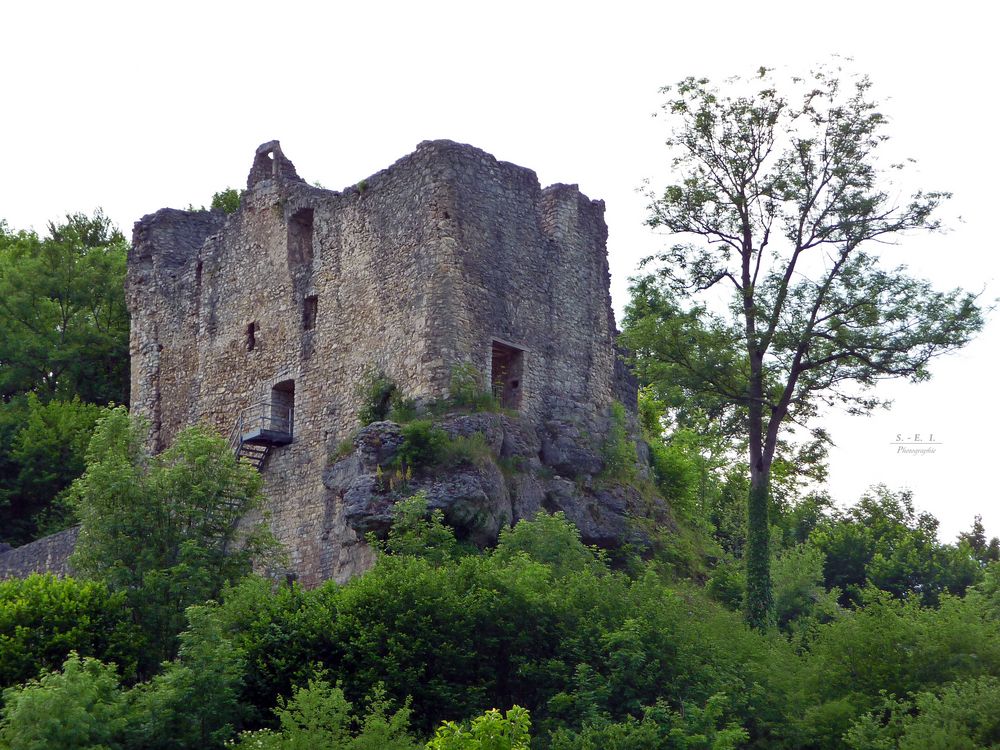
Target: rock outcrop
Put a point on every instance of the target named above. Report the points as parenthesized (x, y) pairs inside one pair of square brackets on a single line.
[(509, 476)]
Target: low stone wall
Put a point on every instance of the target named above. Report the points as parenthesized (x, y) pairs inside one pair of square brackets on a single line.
[(49, 554)]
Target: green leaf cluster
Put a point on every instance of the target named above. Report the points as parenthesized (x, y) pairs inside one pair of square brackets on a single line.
[(44, 618)]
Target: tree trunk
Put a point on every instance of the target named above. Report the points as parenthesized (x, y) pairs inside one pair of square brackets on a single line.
[(759, 607), (759, 600)]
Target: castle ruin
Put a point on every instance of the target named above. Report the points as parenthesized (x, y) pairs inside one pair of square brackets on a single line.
[(262, 324)]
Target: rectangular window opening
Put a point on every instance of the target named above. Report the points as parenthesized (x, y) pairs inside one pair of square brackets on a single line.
[(506, 375), (300, 236)]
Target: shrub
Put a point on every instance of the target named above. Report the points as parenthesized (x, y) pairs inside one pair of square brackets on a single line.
[(44, 618), (319, 717), (375, 392), (618, 451), (81, 707), (467, 390), (424, 445), (491, 731)]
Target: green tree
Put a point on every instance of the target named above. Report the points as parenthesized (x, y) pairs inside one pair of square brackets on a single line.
[(45, 451), (165, 528), (985, 551), (227, 200), (318, 715), (782, 198), (883, 542), (63, 321), (44, 618), (491, 731), (81, 707)]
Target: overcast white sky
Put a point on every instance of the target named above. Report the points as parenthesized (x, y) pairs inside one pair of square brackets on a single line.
[(135, 106)]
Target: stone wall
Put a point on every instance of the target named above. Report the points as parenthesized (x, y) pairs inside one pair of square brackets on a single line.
[(47, 555), (413, 271)]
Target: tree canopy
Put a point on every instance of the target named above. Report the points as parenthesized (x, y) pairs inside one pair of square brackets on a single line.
[(165, 528), (63, 322), (781, 200)]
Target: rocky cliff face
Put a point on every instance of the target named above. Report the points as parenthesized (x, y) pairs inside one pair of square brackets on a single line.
[(489, 470)]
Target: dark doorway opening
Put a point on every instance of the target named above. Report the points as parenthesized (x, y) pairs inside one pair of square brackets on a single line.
[(281, 408), (506, 375)]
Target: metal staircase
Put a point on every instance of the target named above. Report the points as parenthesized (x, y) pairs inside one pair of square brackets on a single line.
[(259, 428)]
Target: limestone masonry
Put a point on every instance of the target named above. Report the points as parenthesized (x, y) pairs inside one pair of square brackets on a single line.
[(447, 259)]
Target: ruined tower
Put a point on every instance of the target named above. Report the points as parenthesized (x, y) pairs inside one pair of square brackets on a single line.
[(267, 319)]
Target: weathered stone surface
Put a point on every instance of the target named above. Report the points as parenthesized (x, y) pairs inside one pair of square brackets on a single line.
[(490, 426), (47, 555), (475, 501), (479, 500), (418, 270), (378, 443), (570, 449), (527, 496)]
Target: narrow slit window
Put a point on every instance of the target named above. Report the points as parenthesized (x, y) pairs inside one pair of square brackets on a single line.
[(309, 309), (252, 329)]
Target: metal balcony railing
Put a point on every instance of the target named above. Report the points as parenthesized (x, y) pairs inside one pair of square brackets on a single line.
[(266, 422)]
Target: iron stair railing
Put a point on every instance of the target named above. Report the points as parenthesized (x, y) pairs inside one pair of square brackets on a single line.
[(258, 429)]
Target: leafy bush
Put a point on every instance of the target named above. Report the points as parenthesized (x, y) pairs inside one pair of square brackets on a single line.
[(194, 701), (419, 533), (491, 731), (465, 449), (375, 392), (424, 445), (893, 647), (540, 622), (319, 717), (727, 584), (81, 707), (468, 390), (44, 618), (618, 451), (962, 716), (660, 728)]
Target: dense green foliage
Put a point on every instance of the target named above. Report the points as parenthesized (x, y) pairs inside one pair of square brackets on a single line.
[(163, 529), (600, 658), (42, 450), (43, 619), (227, 201), (63, 323), (319, 716), (63, 349)]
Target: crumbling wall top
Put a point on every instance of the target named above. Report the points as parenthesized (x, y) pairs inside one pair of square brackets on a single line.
[(271, 164)]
